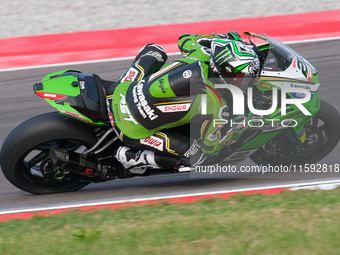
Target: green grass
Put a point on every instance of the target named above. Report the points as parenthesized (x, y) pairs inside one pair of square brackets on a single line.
[(301, 222)]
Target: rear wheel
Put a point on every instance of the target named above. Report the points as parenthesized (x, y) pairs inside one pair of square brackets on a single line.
[(322, 135), (25, 153)]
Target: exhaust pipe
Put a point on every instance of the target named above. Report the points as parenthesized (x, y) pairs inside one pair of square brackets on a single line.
[(74, 162)]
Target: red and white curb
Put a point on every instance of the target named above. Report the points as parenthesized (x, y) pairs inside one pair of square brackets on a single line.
[(133, 57), (26, 214), (107, 44)]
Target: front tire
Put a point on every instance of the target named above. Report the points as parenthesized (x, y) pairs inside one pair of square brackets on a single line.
[(324, 129), (26, 150)]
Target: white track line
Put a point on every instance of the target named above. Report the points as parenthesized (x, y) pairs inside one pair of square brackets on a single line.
[(132, 57), (288, 186)]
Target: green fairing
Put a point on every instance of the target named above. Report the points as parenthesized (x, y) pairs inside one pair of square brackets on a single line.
[(62, 85), (192, 52), (56, 83), (293, 112), (47, 77)]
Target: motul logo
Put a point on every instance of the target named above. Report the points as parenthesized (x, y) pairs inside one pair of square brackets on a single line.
[(49, 95), (154, 142)]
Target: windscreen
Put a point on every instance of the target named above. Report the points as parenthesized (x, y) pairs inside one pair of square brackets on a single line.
[(280, 56)]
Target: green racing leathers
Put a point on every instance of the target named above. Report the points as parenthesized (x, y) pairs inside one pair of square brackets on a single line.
[(148, 103)]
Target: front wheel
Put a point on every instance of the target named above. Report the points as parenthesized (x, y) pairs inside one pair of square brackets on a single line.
[(322, 135), (25, 153)]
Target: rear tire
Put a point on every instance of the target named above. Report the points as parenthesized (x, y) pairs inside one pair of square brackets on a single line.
[(327, 122), (26, 149)]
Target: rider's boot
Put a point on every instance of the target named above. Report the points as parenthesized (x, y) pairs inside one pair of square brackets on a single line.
[(130, 158)]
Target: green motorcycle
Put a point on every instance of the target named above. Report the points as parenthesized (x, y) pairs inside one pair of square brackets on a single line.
[(66, 150)]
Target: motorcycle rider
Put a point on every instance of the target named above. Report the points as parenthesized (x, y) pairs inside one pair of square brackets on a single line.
[(146, 101)]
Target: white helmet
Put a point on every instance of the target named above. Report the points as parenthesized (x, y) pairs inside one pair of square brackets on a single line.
[(235, 61)]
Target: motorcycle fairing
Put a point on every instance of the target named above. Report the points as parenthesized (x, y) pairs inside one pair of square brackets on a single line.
[(75, 94), (285, 68), (67, 85), (295, 72)]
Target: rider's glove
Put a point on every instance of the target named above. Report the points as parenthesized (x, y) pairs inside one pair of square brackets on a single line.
[(183, 35), (221, 36), (235, 36), (231, 35)]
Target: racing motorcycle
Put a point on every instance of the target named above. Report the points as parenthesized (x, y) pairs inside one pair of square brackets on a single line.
[(66, 150)]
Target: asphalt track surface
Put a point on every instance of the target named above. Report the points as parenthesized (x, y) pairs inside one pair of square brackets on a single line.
[(18, 103)]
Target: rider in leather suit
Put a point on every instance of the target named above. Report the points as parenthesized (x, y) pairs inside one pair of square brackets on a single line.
[(146, 101)]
